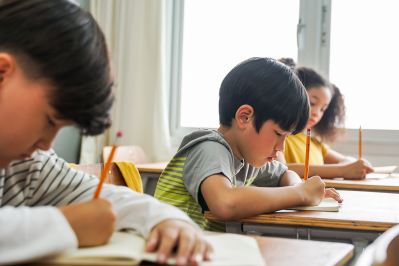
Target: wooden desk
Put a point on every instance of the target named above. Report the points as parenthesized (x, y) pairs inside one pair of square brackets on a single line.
[(155, 168), (386, 184), (151, 171), (362, 217)]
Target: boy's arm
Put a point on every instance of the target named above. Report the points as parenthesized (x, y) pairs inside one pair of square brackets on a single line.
[(289, 178), (164, 226), (59, 185), (29, 233), (334, 157), (230, 203), (336, 165)]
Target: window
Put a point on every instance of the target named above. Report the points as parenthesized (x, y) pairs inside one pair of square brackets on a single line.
[(364, 56)]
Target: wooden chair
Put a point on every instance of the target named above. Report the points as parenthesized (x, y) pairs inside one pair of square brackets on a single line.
[(383, 252), (114, 176), (131, 153)]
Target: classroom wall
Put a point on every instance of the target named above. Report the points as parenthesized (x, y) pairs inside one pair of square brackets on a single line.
[(380, 147), (67, 144)]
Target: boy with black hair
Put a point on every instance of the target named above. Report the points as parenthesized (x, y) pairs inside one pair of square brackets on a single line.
[(261, 102), (55, 71)]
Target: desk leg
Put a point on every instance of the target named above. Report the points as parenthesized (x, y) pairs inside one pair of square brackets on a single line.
[(360, 244)]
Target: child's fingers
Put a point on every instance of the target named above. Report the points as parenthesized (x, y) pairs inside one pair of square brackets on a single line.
[(208, 251), (369, 169), (332, 193), (185, 244), (167, 242), (199, 250), (364, 172), (153, 240)]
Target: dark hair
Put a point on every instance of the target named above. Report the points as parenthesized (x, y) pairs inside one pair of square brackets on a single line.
[(271, 88), (334, 116), (333, 119), (288, 62), (58, 41)]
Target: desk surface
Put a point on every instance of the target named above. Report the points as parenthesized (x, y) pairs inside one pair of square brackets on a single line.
[(376, 182), (151, 167), (361, 210), (287, 252), (284, 251)]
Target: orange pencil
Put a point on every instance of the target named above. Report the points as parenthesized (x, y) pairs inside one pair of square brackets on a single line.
[(106, 168), (306, 170), (360, 143)]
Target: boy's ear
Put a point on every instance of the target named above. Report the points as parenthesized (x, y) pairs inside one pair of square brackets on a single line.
[(7, 65), (244, 115)]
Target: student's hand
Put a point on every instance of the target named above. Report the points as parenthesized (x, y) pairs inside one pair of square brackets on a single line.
[(313, 190), (190, 244), (332, 193), (357, 169), (93, 221)]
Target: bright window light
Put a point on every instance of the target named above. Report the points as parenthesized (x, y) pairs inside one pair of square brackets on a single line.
[(364, 60)]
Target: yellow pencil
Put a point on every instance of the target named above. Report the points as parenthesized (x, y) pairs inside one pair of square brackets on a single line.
[(306, 170), (360, 143), (106, 168)]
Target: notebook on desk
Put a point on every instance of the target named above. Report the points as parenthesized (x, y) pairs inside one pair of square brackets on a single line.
[(326, 205), (385, 169), (381, 172), (126, 248)]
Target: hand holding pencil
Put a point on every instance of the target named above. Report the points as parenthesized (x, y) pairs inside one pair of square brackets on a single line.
[(93, 222), (359, 168)]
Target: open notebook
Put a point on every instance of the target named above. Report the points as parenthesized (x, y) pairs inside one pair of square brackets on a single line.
[(382, 172), (385, 169), (326, 205), (127, 248)]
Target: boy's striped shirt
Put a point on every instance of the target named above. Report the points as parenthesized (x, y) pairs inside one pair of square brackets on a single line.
[(171, 189)]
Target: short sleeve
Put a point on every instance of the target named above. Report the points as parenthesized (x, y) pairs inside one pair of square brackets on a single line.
[(324, 149), (270, 174), (203, 160)]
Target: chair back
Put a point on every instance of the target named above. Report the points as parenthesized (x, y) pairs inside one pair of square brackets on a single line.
[(132, 153)]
